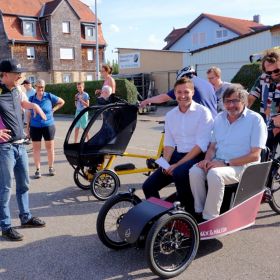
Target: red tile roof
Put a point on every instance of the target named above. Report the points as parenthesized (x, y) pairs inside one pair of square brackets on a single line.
[(173, 36), (238, 26), (11, 9), (12, 25)]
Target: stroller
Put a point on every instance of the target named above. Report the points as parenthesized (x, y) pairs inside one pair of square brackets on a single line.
[(108, 131)]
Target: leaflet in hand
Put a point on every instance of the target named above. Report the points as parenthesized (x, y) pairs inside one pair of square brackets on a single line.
[(162, 163)]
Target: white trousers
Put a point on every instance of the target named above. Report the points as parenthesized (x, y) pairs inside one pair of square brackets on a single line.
[(209, 203)]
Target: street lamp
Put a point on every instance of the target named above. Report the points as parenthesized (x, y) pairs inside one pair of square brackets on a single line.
[(97, 47)]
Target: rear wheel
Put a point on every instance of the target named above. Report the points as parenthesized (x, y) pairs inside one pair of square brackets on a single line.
[(109, 218), (172, 244), (105, 184), (83, 177), (274, 202)]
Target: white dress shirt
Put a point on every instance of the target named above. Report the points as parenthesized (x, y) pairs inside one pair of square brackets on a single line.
[(185, 130)]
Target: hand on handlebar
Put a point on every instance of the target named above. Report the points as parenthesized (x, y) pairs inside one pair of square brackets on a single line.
[(144, 103)]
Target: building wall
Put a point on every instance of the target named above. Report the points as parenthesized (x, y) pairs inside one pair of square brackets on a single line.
[(162, 65), (41, 57), (58, 39), (231, 56), (209, 27), (46, 76)]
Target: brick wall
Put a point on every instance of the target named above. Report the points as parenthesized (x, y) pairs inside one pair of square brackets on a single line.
[(40, 63), (60, 40)]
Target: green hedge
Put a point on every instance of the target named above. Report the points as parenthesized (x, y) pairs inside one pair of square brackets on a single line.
[(124, 89), (247, 76)]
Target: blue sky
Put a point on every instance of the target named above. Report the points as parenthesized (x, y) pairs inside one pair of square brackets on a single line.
[(145, 23)]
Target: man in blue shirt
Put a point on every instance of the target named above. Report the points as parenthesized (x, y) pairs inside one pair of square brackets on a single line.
[(14, 159), (204, 93)]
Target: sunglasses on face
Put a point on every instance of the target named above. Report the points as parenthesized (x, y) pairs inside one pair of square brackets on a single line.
[(276, 71)]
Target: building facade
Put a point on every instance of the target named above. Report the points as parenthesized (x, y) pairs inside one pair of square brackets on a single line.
[(53, 39)]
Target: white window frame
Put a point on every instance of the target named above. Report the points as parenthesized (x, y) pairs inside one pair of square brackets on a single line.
[(66, 27), (66, 53), (87, 36), (66, 77), (32, 79), (30, 52), (31, 32), (90, 54), (221, 33), (89, 77), (47, 26)]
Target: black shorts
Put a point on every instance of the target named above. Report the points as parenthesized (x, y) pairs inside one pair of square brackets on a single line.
[(47, 132)]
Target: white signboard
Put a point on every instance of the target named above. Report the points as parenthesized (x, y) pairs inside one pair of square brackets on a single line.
[(129, 60)]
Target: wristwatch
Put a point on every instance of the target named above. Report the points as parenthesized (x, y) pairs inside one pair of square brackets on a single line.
[(226, 162)]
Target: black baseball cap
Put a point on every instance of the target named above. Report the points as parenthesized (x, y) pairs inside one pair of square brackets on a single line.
[(10, 65), (26, 82)]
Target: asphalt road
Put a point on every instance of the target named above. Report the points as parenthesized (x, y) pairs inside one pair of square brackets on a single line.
[(68, 248)]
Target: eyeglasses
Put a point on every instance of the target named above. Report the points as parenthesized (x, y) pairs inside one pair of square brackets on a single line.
[(39, 87), (232, 101), (276, 71)]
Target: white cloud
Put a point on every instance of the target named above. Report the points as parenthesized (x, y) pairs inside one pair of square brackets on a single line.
[(154, 42), (114, 28)]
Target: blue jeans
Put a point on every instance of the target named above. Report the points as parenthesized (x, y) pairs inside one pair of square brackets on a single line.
[(180, 177), (14, 161)]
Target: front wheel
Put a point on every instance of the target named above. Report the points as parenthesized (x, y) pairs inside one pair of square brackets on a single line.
[(105, 184), (109, 218), (172, 244), (274, 201), (82, 177)]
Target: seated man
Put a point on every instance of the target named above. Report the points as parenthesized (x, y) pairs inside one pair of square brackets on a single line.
[(187, 135), (238, 137)]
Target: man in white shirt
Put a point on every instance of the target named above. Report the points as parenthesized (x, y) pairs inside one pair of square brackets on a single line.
[(187, 135), (238, 137)]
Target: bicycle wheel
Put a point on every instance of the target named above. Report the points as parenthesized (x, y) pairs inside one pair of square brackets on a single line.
[(105, 184), (82, 177), (109, 218), (274, 202), (172, 244)]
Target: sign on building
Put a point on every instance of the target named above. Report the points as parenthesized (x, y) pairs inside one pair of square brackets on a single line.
[(129, 60)]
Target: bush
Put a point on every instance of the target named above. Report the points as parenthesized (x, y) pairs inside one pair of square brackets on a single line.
[(247, 76), (124, 89)]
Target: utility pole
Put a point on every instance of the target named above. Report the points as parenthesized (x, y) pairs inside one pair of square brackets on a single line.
[(97, 47)]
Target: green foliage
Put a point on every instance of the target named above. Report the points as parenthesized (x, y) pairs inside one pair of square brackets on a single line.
[(114, 65), (247, 76), (124, 89)]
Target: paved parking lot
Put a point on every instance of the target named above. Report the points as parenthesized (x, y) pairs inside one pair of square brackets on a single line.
[(68, 248)]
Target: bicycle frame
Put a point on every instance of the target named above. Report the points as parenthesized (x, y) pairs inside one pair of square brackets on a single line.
[(145, 169)]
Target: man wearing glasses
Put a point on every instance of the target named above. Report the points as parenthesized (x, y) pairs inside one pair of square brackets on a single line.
[(238, 136), (267, 89)]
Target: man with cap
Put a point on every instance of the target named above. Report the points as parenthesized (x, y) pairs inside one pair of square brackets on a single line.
[(14, 159)]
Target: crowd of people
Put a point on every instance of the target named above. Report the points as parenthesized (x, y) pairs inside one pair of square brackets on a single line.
[(212, 135)]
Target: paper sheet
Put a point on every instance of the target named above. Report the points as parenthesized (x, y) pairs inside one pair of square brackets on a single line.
[(162, 163)]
